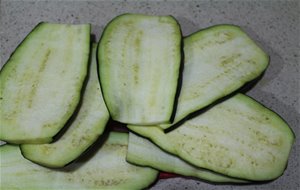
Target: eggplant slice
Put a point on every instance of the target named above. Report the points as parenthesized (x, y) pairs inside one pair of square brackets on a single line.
[(88, 125), (139, 63), (41, 82), (217, 61), (106, 169), (238, 137), (143, 152)]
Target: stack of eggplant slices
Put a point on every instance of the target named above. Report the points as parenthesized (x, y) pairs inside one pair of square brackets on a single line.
[(178, 99)]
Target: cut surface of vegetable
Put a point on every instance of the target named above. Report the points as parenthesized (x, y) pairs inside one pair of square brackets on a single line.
[(41, 82), (238, 137), (106, 169), (143, 152), (139, 62), (217, 61), (88, 125)]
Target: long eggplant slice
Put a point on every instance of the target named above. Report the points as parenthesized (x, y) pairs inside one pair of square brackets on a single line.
[(143, 152), (88, 125), (41, 82), (238, 137), (139, 62), (106, 169), (218, 61)]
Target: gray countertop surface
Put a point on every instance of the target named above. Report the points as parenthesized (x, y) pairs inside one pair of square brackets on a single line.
[(274, 25)]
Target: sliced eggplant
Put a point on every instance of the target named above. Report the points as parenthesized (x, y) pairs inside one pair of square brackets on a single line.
[(143, 152), (218, 61), (139, 62), (88, 125), (106, 169), (41, 82), (238, 137)]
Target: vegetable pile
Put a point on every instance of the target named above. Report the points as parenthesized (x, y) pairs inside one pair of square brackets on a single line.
[(178, 96)]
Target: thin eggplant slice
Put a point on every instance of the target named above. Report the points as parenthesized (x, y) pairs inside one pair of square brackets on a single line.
[(106, 169), (238, 137), (41, 82), (139, 62), (87, 126), (143, 152), (217, 61)]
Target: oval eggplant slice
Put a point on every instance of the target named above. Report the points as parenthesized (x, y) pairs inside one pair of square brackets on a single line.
[(41, 82), (238, 137), (106, 169), (139, 61), (218, 61), (87, 126)]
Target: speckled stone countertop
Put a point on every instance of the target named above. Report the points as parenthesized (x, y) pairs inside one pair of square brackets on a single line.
[(273, 24)]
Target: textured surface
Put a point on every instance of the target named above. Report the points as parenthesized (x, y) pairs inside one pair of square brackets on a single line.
[(273, 24)]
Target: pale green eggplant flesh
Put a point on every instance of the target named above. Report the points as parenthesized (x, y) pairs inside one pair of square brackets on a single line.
[(217, 61), (88, 125), (143, 152), (41, 82), (106, 169), (238, 137), (139, 64)]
